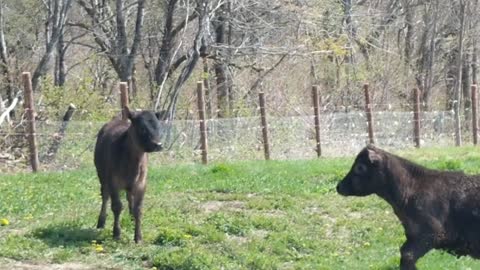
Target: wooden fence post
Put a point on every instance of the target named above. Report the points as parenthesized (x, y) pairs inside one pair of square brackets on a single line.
[(474, 114), (263, 117), (316, 117), (368, 111), (124, 99), (30, 113), (203, 127), (416, 117)]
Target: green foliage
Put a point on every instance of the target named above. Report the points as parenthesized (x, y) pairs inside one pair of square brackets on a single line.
[(90, 105), (174, 237), (451, 165), (184, 259), (234, 224), (221, 168), (337, 46)]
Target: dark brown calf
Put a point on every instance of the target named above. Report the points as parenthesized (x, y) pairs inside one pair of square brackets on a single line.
[(438, 210), (121, 162)]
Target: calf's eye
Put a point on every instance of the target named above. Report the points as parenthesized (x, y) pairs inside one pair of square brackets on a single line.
[(360, 169)]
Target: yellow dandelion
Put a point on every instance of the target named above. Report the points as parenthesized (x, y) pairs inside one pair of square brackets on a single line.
[(4, 222), (98, 248)]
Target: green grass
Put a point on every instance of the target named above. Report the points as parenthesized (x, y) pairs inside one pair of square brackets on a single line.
[(245, 215)]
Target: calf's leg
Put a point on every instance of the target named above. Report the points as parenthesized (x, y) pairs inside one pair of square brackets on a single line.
[(137, 212), (411, 251), (103, 210), (130, 202), (117, 209)]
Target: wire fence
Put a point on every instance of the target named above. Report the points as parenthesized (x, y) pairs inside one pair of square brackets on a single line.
[(292, 137)]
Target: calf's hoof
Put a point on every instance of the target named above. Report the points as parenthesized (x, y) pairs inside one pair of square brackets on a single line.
[(116, 234)]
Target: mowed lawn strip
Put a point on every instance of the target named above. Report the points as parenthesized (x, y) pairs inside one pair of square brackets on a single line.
[(244, 215)]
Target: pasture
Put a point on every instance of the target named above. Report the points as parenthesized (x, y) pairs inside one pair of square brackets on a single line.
[(243, 215)]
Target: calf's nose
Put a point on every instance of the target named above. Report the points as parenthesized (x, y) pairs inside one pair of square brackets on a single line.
[(340, 189)]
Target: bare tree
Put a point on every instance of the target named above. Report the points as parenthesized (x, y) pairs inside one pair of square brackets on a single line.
[(426, 52), (4, 58), (60, 71), (220, 66), (110, 31), (203, 10), (57, 11)]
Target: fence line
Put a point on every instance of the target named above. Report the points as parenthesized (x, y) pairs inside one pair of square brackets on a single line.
[(284, 137), (241, 138)]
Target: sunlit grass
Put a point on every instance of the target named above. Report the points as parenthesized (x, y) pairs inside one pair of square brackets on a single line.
[(245, 215)]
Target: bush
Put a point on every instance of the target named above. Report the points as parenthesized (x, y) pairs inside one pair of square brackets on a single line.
[(90, 104)]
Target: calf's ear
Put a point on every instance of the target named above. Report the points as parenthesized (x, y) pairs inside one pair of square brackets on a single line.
[(374, 157), (162, 115), (130, 114)]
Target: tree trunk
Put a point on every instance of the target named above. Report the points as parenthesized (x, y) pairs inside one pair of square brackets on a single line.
[(430, 56), (458, 88), (231, 97), (450, 80), (165, 52), (5, 62), (219, 66), (206, 86), (467, 101), (475, 62), (60, 68), (409, 21)]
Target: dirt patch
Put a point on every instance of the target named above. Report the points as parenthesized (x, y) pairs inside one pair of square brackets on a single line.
[(356, 215), (6, 232), (214, 206), (18, 265), (237, 239), (259, 233), (274, 213)]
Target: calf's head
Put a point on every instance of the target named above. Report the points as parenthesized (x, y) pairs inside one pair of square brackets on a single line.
[(147, 129), (366, 175)]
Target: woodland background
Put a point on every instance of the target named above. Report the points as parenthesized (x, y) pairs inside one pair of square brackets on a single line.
[(79, 50)]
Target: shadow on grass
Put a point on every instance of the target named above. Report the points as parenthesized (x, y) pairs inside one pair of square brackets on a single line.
[(391, 267), (67, 234)]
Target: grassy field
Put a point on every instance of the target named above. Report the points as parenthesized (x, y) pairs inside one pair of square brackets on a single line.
[(246, 215)]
